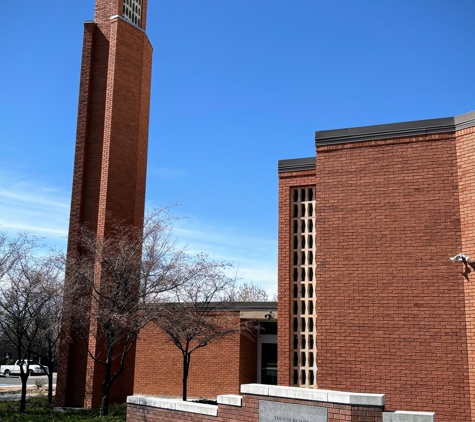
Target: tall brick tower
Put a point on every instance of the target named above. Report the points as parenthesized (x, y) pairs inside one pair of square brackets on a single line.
[(110, 162)]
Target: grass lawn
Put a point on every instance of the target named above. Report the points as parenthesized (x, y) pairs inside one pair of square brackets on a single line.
[(38, 410)]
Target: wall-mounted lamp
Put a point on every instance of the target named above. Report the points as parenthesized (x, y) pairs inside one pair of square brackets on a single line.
[(270, 315), (461, 257)]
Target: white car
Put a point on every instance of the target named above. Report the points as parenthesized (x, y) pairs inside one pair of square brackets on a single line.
[(34, 368)]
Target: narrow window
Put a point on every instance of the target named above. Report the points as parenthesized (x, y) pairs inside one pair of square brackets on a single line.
[(310, 210)]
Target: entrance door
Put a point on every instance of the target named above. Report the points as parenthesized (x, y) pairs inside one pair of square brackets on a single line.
[(267, 354)]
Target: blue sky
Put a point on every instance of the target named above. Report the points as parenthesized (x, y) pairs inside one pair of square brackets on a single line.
[(236, 86)]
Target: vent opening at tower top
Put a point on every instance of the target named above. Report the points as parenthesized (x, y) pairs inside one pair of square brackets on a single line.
[(132, 11)]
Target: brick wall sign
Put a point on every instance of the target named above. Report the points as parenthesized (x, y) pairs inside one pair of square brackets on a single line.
[(271, 411)]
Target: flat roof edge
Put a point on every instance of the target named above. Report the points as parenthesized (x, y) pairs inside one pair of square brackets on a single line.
[(296, 164), (395, 130)]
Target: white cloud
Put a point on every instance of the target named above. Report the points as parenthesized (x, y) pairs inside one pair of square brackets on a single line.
[(165, 172), (254, 257), (27, 205), (44, 210)]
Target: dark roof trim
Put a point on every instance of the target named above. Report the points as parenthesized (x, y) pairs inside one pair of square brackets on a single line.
[(296, 164), (395, 130), (249, 306)]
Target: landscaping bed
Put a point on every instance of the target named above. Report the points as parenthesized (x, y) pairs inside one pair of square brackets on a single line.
[(38, 410)]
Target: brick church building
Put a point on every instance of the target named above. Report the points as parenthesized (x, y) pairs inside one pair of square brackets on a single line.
[(368, 299)]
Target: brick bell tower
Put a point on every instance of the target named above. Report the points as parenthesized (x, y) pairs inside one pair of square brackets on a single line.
[(110, 163)]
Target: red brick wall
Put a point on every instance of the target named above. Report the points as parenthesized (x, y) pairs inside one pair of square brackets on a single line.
[(218, 368), (287, 181), (248, 359), (110, 167), (466, 179), (249, 412), (390, 305)]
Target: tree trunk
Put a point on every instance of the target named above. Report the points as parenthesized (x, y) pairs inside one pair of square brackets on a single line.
[(50, 372), (186, 366), (50, 383), (24, 379), (106, 384)]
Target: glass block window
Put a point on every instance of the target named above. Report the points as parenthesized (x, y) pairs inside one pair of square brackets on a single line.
[(304, 319), (133, 11)]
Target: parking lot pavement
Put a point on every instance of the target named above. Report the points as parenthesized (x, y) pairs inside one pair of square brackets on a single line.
[(11, 397), (10, 387)]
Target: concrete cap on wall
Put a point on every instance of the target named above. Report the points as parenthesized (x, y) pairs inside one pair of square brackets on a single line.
[(405, 416), (340, 397)]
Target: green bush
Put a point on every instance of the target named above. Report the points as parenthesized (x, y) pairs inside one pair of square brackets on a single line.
[(38, 410)]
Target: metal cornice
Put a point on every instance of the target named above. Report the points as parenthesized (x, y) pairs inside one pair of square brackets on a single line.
[(465, 121), (296, 164), (395, 130)]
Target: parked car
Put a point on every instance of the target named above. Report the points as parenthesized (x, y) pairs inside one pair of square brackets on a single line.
[(34, 368)]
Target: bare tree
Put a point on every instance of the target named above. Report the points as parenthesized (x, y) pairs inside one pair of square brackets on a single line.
[(22, 297), (114, 281), (196, 316), (248, 292), (48, 319), (11, 249)]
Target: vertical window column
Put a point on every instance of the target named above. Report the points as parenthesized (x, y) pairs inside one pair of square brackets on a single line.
[(303, 311)]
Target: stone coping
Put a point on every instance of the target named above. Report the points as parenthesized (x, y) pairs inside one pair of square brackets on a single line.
[(174, 404), (339, 397), (405, 416), (230, 400)]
